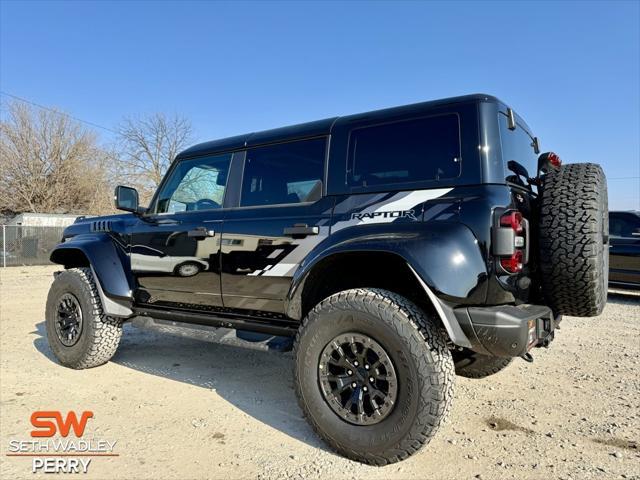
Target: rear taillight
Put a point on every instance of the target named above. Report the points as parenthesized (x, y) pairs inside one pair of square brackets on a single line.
[(548, 161), (510, 241), (554, 159), (513, 220), (513, 264)]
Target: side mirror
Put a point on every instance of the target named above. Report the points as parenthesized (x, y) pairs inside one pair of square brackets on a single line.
[(126, 198)]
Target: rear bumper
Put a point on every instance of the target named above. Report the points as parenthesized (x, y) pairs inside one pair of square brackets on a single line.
[(507, 330)]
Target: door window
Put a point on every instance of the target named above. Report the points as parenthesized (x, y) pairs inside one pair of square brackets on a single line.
[(195, 184), (284, 173)]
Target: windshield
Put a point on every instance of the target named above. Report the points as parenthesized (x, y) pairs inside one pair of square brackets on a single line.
[(517, 146)]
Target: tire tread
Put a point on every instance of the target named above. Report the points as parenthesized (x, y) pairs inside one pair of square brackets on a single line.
[(572, 252), (387, 305), (105, 331)]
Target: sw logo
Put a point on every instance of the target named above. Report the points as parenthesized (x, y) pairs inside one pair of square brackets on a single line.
[(410, 214), (61, 454), (45, 427)]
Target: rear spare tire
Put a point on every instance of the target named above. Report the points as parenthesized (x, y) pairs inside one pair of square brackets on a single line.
[(574, 239)]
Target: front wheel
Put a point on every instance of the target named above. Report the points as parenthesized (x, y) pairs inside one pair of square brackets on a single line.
[(373, 375), (80, 335)]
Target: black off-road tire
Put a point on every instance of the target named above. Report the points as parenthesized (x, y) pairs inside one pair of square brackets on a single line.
[(100, 335), (475, 365), (423, 364), (574, 240)]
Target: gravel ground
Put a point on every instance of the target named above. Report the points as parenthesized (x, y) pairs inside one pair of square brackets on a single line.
[(185, 408)]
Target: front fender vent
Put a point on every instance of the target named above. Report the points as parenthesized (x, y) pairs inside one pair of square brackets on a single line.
[(101, 226)]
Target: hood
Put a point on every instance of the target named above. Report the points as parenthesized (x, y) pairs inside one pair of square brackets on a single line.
[(107, 218), (104, 224)]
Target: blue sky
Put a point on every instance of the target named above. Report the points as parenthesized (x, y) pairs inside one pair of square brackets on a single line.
[(572, 70)]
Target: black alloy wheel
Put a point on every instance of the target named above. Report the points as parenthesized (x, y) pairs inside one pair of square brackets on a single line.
[(358, 379), (68, 320)]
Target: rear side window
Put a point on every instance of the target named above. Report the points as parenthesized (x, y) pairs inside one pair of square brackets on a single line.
[(418, 150), (517, 146), (284, 173)]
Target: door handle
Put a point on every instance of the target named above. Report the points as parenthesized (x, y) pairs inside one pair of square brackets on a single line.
[(200, 233), (300, 230)]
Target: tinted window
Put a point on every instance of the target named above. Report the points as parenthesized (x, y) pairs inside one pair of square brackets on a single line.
[(285, 173), (517, 145), (409, 151), (624, 225), (196, 184)]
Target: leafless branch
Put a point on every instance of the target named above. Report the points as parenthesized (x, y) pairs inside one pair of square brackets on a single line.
[(50, 163)]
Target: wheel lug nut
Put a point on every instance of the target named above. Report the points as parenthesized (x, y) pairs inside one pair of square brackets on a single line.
[(355, 363), (354, 384), (365, 388), (349, 372), (371, 379), (366, 367)]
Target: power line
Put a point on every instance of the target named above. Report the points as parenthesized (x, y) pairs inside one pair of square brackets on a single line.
[(15, 97)]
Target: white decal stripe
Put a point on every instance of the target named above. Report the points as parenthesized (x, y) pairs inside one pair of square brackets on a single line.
[(413, 199), (279, 270), (401, 201), (293, 258)]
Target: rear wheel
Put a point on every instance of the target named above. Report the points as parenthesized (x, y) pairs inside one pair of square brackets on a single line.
[(79, 334), (475, 365), (574, 239), (374, 376)]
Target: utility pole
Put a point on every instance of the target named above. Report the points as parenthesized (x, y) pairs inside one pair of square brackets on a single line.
[(4, 246)]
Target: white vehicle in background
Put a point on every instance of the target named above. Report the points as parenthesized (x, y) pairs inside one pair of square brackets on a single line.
[(155, 261)]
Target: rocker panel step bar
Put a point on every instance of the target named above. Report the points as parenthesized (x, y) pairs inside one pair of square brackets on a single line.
[(225, 320)]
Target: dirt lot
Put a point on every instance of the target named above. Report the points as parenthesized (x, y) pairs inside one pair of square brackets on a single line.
[(185, 408)]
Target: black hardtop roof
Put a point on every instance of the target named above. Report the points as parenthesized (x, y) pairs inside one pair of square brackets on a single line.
[(320, 127)]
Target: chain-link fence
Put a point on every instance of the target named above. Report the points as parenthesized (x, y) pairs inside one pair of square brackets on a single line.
[(24, 245)]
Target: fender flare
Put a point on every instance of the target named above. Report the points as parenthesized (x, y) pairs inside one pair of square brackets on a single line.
[(444, 257), (108, 262)]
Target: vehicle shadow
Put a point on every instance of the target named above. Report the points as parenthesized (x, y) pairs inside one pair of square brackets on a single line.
[(621, 297), (259, 383)]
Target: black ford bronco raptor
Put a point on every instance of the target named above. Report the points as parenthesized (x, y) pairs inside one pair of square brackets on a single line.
[(397, 248)]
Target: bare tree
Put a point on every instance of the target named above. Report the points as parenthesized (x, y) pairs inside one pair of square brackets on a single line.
[(50, 163), (148, 146)]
